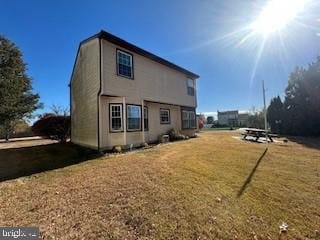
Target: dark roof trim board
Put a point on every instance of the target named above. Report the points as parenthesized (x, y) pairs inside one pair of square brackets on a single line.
[(122, 43)]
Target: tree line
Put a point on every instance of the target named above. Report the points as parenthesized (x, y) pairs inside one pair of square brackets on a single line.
[(18, 101), (299, 113)]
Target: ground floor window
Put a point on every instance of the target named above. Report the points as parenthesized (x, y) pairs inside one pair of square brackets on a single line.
[(188, 119), (164, 116), (145, 118), (116, 117), (133, 117)]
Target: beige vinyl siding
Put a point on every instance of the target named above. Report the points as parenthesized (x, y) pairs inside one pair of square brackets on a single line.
[(125, 138), (108, 138), (152, 81), (153, 85), (85, 85), (155, 127)]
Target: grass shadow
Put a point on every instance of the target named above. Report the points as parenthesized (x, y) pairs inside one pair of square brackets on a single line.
[(22, 139), (310, 142), (248, 180), (253, 140), (18, 162)]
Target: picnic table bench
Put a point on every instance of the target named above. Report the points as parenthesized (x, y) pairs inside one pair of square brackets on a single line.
[(258, 133)]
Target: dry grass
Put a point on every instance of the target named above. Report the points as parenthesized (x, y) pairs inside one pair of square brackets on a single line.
[(184, 190)]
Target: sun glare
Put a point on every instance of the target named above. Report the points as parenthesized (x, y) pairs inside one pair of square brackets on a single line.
[(276, 15)]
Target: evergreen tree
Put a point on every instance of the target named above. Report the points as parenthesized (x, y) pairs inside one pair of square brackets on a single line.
[(17, 100), (300, 113), (295, 103), (275, 115), (302, 102), (256, 120), (210, 120)]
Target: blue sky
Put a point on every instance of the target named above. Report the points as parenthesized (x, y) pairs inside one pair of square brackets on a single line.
[(193, 34)]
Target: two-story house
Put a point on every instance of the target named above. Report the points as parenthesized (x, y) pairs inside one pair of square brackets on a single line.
[(230, 118), (123, 95)]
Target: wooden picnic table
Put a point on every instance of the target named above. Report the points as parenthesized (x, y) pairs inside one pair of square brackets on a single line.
[(258, 133)]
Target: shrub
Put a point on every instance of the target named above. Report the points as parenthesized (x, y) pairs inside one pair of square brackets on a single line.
[(174, 136), (218, 125), (52, 126), (200, 124)]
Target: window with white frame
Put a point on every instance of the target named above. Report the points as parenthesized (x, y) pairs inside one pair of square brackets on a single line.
[(133, 117), (164, 116), (124, 64), (192, 119), (145, 118), (116, 117), (188, 119), (190, 87), (185, 119)]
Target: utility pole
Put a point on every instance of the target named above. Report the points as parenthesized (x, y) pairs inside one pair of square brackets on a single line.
[(265, 112)]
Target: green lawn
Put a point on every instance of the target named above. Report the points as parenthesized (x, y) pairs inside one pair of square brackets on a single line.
[(211, 187)]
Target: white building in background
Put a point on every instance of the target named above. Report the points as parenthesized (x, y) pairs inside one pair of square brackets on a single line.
[(243, 119), (229, 118), (233, 118)]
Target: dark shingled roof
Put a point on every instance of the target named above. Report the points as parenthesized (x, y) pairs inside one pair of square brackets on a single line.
[(122, 43)]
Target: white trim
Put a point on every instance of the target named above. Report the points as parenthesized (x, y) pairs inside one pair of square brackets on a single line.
[(140, 114), (185, 117), (121, 117), (192, 117), (165, 122), (131, 63), (188, 116), (192, 86)]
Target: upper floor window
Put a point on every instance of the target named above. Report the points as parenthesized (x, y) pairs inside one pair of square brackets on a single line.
[(124, 64), (164, 116), (133, 117), (190, 87), (116, 117)]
